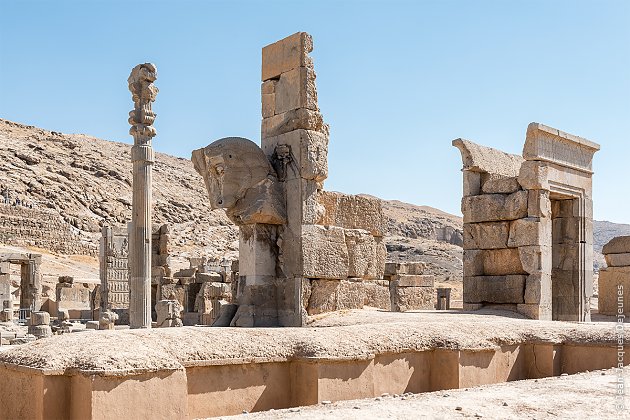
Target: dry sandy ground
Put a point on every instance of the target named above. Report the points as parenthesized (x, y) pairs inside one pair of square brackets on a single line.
[(590, 395)]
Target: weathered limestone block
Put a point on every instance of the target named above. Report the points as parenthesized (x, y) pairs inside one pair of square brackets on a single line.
[(286, 54), (392, 269), (211, 310), (566, 229), (240, 179), (535, 258), (63, 315), (296, 89), (209, 298), (494, 207), (73, 296), (413, 280), (488, 235), (268, 102), (296, 119), (500, 185), (168, 313), (494, 289), (614, 291), (411, 298), (377, 294), (529, 231), (477, 158), (543, 143), (39, 318), (618, 245), (40, 331), (538, 204), (92, 325), (538, 288), (534, 175), (258, 252), (324, 252), (299, 154), (364, 254), (565, 257), (215, 290), (541, 312), (617, 260), (107, 320), (335, 295), (351, 212), (492, 262)]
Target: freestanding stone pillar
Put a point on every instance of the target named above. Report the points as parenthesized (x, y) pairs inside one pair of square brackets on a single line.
[(141, 119)]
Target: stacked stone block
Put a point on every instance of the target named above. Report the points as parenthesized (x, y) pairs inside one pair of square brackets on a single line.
[(614, 280), (528, 225), (301, 250), (332, 241), (409, 287), (75, 298), (204, 291), (39, 324), (42, 228)]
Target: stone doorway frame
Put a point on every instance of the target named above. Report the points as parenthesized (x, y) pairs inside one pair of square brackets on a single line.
[(558, 165), (30, 278)]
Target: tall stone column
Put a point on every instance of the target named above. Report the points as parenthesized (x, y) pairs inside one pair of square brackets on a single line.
[(141, 119)]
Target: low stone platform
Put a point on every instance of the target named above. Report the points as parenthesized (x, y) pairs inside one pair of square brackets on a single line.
[(194, 372)]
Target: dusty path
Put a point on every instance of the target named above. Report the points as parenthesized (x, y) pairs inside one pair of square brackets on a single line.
[(582, 396)]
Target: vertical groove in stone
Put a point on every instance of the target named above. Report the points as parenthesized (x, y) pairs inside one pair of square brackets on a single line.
[(141, 119)]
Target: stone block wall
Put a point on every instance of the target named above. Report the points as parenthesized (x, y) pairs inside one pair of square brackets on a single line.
[(22, 226), (331, 241), (614, 280), (528, 238), (409, 287)]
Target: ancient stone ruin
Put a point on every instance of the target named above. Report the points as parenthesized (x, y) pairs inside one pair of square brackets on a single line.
[(141, 118), (528, 226), (301, 248), (74, 298), (30, 283), (614, 280), (114, 271)]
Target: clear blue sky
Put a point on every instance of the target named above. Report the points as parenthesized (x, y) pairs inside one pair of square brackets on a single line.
[(397, 81)]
